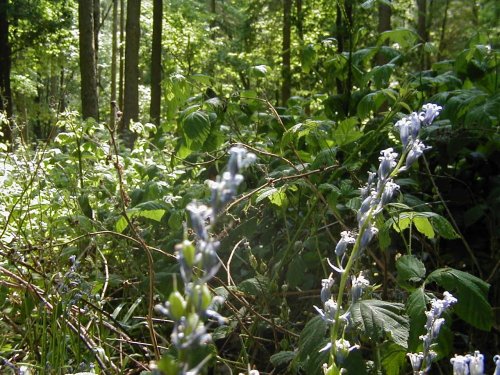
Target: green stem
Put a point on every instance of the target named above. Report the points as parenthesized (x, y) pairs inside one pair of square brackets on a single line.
[(354, 255)]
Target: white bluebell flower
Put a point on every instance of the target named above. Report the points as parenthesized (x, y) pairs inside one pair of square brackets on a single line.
[(496, 361), (358, 285), (429, 113), (417, 150), (343, 347), (199, 213), (387, 163), (460, 365), (369, 202), (367, 236), (239, 159), (416, 360), (328, 312), (476, 363), (326, 285), (404, 126), (346, 238), (415, 126)]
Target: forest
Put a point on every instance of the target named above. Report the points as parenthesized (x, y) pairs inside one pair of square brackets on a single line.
[(250, 187)]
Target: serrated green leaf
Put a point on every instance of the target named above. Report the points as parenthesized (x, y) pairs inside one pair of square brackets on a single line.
[(255, 286), (266, 193), (379, 319), (282, 358), (311, 340), (410, 268), (471, 292), (346, 132), (121, 224), (443, 227), (416, 305), (196, 128)]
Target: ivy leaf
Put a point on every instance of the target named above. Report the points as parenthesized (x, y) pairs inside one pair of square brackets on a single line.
[(410, 268), (471, 293), (378, 319)]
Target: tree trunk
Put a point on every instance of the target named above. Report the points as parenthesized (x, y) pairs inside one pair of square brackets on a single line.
[(5, 65), (384, 24), (97, 29), (131, 92), (121, 68), (286, 73), (90, 107), (155, 108), (422, 31), (114, 53)]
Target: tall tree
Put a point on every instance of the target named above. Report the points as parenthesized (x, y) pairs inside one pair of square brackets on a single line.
[(114, 56), (5, 65), (384, 24), (286, 72), (422, 31), (121, 68), (155, 107), (131, 91), (90, 105)]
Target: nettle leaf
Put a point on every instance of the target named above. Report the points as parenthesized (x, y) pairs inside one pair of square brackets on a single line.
[(381, 319), (443, 227), (150, 210), (347, 131), (196, 128), (416, 305), (311, 340), (410, 268), (258, 71), (406, 38), (281, 359), (471, 292)]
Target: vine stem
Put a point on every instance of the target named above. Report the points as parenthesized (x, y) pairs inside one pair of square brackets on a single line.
[(151, 273), (455, 225)]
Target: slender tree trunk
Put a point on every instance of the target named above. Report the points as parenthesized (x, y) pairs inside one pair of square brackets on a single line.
[(121, 68), (90, 107), (131, 92), (384, 24), (300, 20), (422, 31), (286, 73), (114, 52), (5, 65), (97, 29), (155, 108), (443, 30)]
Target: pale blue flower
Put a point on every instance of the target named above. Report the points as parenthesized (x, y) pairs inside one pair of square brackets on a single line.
[(416, 361), (460, 365), (417, 150), (476, 364), (387, 163), (358, 285), (496, 360), (429, 113), (404, 126), (367, 236), (346, 238)]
